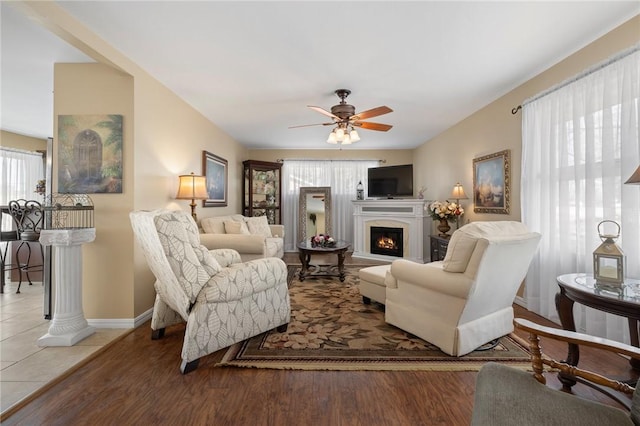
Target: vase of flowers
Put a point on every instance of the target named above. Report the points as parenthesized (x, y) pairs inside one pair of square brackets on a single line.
[(322, 241), (445, 212)]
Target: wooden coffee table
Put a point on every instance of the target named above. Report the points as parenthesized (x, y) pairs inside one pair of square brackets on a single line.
[(309, 270)]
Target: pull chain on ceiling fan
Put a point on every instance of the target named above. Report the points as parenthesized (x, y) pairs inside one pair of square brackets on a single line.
[(345, 119)]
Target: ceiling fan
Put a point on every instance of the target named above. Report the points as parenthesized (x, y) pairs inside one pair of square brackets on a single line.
[(345, 118)]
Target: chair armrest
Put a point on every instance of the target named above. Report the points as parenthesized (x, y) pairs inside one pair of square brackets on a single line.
[(242, 243), (226, 257), (431, 276), (577, 338), (538, 359), (277, 230)]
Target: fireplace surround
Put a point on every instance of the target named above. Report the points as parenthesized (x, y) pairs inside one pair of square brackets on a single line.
[(408, 215)]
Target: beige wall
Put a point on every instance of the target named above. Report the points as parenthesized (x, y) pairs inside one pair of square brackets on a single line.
[(448, 158), (27, 143), (169, 140), (108, 261)]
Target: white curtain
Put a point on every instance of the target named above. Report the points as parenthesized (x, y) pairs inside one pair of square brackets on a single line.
[(20, 171), (580, 143), (341, 175)]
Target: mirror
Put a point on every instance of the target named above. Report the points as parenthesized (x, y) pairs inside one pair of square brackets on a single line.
[(314, 212)]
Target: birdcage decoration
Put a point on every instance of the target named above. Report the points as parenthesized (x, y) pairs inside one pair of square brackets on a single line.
[(68, 211)]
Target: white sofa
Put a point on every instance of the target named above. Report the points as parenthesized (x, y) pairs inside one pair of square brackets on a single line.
[(252, 237), (466, 300)]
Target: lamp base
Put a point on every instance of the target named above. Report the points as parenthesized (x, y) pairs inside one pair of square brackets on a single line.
[(193, 210)]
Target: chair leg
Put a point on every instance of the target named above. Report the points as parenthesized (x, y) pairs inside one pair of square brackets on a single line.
[(188, 367), (157, 334), (20, 266), (282, 328)]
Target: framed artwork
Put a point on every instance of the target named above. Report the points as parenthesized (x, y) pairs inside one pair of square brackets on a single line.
[(491, 183), (216, 173), (90, 154)]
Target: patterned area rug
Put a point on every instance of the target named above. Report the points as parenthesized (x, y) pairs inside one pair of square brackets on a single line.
[(331, 329)]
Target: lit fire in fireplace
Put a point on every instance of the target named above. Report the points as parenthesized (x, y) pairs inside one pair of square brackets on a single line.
[(386, 243)]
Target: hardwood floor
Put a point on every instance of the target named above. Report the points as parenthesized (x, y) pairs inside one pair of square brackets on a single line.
[(137, 381)]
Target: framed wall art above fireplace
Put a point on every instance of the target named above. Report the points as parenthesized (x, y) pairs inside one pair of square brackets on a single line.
[(491, 183)]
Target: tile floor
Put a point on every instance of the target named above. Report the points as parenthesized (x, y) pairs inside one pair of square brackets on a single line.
[(24, 366)]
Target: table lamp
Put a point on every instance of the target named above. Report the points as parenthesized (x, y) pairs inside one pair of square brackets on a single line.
[(192, 187), (458, 194)]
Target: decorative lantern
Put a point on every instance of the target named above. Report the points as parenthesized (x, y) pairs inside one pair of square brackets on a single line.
[(608, 260)]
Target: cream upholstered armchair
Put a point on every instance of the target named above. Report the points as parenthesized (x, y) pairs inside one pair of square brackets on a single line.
[(466, 300), (222, 300)]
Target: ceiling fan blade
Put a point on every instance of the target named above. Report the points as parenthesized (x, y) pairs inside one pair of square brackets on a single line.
[(374, 112), (372, 126), (323, 111), (309, 125)]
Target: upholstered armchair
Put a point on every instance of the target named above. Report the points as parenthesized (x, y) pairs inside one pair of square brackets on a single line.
[(506, 396), (466, 300), (222, 300)]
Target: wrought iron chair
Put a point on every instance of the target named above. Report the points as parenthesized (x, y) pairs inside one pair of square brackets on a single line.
[(28, 217), (6, 237)]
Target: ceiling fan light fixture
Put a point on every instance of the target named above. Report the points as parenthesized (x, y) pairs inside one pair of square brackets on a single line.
[(332, 138), (346, 140), (339, 134), (354, 136)]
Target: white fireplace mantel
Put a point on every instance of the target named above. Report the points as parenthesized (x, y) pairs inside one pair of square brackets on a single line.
[(408, 214)]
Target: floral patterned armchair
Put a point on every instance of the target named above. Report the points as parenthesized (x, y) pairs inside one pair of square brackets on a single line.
[(222, 300)]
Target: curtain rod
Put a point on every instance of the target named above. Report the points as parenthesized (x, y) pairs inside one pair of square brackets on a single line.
[(281, 160), (22, 151), (618, 56)]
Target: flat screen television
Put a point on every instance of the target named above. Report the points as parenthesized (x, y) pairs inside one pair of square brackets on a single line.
[(390, 181)]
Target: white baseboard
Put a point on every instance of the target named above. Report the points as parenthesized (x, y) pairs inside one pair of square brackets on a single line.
[(122, 322)]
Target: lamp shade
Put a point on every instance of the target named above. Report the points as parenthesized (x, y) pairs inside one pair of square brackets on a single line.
[(192, 187), (458, 192), (635, 177)]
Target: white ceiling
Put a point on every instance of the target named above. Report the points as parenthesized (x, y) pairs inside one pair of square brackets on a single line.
[(253, 67)]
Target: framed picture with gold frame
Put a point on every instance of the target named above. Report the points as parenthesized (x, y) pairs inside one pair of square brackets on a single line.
[(491, 183), (216, 174)]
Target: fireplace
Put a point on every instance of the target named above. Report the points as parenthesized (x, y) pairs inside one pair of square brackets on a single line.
[(387, 241), (409, 215)]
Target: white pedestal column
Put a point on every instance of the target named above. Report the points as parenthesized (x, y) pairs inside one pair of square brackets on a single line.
[(68, 325)]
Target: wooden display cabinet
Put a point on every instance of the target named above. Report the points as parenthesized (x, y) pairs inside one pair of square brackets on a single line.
[(261, 189)]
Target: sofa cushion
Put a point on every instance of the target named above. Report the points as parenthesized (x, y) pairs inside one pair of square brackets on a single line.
[(233, 227), (259, 226), (215, 225)]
